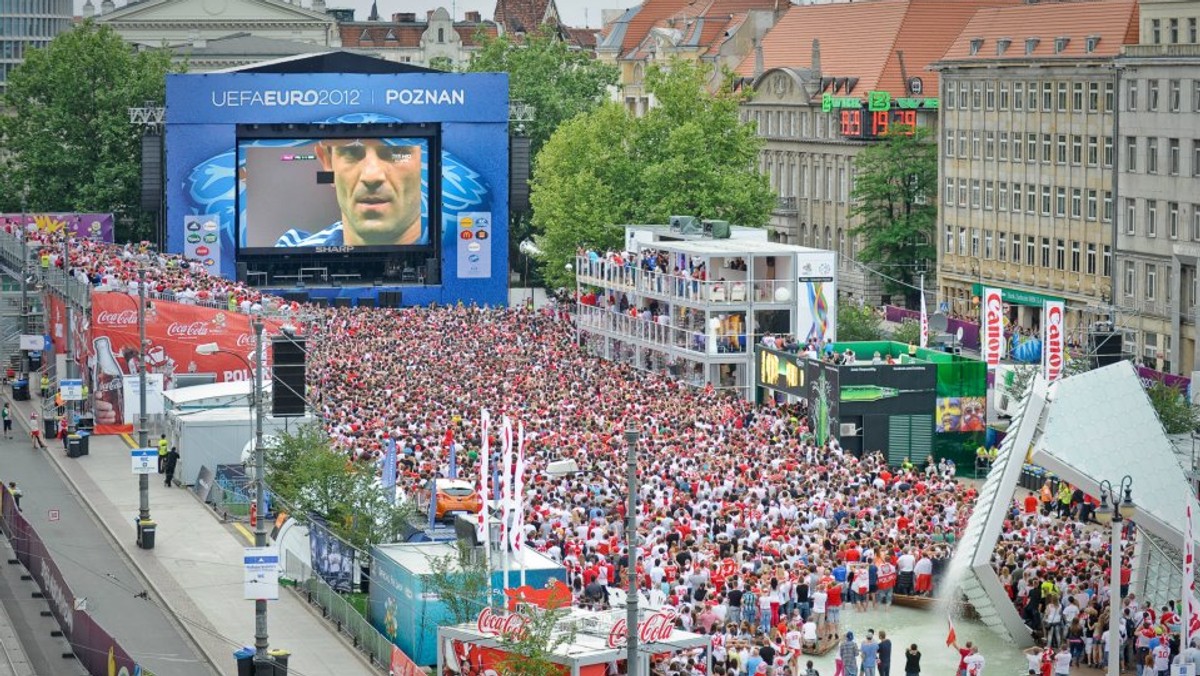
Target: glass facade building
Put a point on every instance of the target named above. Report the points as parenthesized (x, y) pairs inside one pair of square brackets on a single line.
[(26, 25)]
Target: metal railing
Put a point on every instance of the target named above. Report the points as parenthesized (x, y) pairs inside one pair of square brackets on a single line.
[(337, 610), (660, 334), (611, 275), (786, 204)]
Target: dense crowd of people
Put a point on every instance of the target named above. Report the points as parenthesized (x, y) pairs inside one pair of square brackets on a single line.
[(756, 534)]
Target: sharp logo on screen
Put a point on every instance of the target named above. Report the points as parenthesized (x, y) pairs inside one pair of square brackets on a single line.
[(334, 249)]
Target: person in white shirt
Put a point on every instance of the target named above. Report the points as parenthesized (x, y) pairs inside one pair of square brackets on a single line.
[(809, 632), (1062, 661), (975, 663)]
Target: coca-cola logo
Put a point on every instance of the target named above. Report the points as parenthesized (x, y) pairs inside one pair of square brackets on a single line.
[(994, 327), (654, 629), (492, 623), (1054, 341), (186, 330), (120, 318), (245, 340)]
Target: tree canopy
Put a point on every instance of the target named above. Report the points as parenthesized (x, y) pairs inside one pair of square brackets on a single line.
[(894, 197), (67, 141), (544, 72), (689, 155)]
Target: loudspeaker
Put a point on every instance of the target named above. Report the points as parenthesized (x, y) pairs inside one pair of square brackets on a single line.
[(341, 302), (392, 299), (242, 268), (433, 272), (1107, 347), (287, 376), (152, 173)]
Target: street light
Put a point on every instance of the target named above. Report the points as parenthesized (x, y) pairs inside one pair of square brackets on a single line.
[(1115, 514), (143, 521), (631, 599), (260, 484)]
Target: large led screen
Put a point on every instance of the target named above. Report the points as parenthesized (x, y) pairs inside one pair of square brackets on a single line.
[(344, 194)]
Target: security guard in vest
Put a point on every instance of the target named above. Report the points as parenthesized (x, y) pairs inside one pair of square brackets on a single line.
[(45, 386), (163, 449)]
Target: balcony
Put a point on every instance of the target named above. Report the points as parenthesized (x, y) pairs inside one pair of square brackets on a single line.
[(656, 333), (1151, 51), (786, 206), (610, 275)]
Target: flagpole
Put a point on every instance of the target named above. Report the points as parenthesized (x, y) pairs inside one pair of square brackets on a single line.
[(483, 523), (519, 498), (1187, 598), (505, 494), (924, 316)]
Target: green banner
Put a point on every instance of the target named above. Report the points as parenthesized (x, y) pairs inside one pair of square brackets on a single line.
[(1018, 296)]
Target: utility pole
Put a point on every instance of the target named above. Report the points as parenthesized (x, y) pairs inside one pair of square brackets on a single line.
[(260, 531), (631, 541), (24, 293), (145, 525), (67, 304)]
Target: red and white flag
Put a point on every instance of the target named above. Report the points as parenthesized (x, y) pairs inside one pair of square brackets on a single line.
[(481, 524), (506, 460), (952, 637), (924, 317), (517, 532), (1191, 607)]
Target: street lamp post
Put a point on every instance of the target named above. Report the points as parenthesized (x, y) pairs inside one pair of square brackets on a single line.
[(1116, 513), (24, 292), (631, 542), (143, 441), (260, 484)]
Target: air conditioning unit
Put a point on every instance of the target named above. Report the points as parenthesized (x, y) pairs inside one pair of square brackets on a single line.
[(848, 430), (716, 229), (685, 224)]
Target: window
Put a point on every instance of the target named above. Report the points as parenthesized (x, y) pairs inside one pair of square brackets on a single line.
[(1173, 31), (1152, 95), (1018, 95), (1093, 205), (1152, 218), (1074, 256), (1108, 152), (949, 239), (1130, 216), (951, 95), (1091, 259), (989, 95), (1196, 95), (949, 192), (1173, 219), (1047, 148), (1196, 222), (975, 242), (1045, 200), (1077, 150), (1030, 250), (1107, 261), (1016, 197), (976, 145), (1151, 281), (1048, 96), (987, 244), (975, 193), (962, 192), (1108, 206), (1076, 203), (976, 96), (1004, 145), (962, 241), (1131, 96), (989, 195), (1061, 99), (1060, 201), (1173, 95), (1002, 202), (1152, 155), (949, 143), (1002, 246), (1196, 157), (1060, 255), (1109, 97), (1031, 198), (1192, 30), (1077, 97), (1155, 31), (1093, 97), (1003, 96), (1093, 151), (1130, 273), (962, 144), (1018, 152), (1061, 147), (1045, 252), (1031, 147), (1031, 98), (989, 145), (1173, 156), (1130, 153)]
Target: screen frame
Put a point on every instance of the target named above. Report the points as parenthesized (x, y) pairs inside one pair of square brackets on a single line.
[(430, 133)]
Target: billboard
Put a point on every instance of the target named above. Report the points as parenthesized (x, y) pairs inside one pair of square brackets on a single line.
[(245, 151), (1054, 347), (81, 226), (992, 323), (780, 371), (817, 304)]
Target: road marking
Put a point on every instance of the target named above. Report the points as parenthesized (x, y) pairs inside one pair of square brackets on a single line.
[(129, 440), (244, 531)]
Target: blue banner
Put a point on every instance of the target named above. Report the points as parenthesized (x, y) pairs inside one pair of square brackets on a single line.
[(389, 471)]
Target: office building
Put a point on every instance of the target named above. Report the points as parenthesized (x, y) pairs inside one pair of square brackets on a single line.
[(27, 25)]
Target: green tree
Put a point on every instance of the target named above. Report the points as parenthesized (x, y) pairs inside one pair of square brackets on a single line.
[(462, 582), (529, 652), (909, 332), (857, 322), (690, 154), (1177, 414), (308, 476), (442, 63), (67, 142), (545, 73), (895, 198)]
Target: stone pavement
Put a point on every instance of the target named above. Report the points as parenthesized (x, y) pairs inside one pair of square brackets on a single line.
[(195, 567)]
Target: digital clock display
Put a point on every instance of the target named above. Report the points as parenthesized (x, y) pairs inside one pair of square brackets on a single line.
[(865, 124)]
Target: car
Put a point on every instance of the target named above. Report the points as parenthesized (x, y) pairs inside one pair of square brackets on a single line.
[(456, 496)]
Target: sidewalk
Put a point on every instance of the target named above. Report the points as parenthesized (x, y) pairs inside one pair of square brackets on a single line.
[(195, 567)]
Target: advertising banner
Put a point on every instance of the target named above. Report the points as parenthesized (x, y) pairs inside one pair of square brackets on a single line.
[(332, 559), (131, 388), (817, 302), (201, 242), (780, 371), (173, 333), (82, 226), (1053, 340), (992, 323)]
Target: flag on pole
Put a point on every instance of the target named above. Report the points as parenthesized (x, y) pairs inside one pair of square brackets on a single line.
[(481, 524), (952, 637), (389, 471), (433, 502), (449, 441), (1190, 625), (517, 532), (924, 317), (506, 459)]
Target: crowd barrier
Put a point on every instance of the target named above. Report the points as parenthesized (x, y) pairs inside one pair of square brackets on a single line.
[(94, 647)]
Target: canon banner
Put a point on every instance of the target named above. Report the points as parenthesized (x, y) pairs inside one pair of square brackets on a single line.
[(1053, 342), (174, 331), (992, 323)]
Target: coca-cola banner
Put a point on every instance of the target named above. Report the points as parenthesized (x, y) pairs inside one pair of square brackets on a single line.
[(56, 309), (174, 331)]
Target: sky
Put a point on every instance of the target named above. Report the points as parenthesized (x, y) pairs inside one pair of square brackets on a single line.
[(577, 13)]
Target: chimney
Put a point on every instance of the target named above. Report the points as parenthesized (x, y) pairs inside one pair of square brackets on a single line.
[(318, 5), (429, 15), (816, 57), (758, 58), (89, 10), (404, 17), (474, 17)]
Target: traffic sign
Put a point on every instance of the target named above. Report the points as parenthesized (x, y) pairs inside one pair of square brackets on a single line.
[(144, 460), (52, 515), (261, 580), (72, 389)]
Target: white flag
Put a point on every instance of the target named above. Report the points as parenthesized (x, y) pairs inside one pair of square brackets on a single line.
[(481, 522), (505, 478), (924, 318), (517, 533)]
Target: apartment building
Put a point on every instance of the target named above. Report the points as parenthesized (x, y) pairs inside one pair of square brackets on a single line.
[(26, 25), (1027, 158), (1158, 231)]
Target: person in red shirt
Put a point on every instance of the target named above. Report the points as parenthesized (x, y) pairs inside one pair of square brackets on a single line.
[(1031, 504)]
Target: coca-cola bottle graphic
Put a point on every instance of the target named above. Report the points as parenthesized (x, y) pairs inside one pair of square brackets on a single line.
[(106, 376)]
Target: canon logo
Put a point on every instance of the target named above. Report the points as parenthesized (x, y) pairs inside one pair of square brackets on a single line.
[(994, 328), (1054, 341), (182, 330), (653, 629), (494, 624), (122, 318)]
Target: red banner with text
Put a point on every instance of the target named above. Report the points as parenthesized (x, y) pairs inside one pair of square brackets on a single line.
[(175, 332)]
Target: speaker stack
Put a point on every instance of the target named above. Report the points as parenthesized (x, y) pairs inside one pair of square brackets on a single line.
[(1106, 346), (433, 272), (287, 376), (393, 299)]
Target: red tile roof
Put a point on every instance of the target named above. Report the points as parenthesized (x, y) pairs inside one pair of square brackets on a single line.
[(704, 25), (1114, 22), (584, 38), (864, 40), (374, 34), (647, 16), (521, 16)]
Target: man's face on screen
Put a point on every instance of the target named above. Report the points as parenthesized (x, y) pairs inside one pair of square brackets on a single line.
[(378, 190)]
